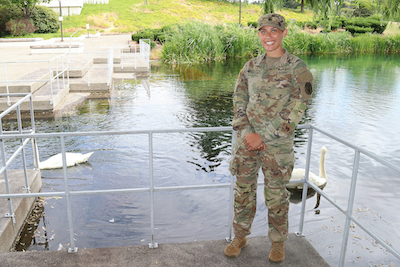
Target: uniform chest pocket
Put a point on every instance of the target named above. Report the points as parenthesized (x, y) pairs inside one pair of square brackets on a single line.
[(277, 82)]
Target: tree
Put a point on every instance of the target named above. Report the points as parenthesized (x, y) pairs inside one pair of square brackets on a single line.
[(326, 10), (390, 9), (26, 6), (269, 5)]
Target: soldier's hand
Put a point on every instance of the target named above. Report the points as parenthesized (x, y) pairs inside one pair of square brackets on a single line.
[(253, 142), (261, 147)]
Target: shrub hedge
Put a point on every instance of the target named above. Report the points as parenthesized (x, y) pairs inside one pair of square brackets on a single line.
[(7, 13), (20, 27), (45, 20)]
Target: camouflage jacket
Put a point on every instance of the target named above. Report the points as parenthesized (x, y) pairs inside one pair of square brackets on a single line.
[(271, 101)]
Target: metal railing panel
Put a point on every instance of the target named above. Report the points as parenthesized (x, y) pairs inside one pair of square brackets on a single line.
[(52, 65), (347, 211)]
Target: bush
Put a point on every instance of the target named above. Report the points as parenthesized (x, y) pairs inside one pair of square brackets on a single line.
[(253, 24), (374, 22), (300, 24), (291, 4), (7, 13), (356, 29), (159, 35), (146, 34), (311, 24), (45, 20), (20, 27)]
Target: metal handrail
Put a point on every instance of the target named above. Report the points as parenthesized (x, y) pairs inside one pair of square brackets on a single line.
[(347, 211), (88, 66), (144, 52), (53, 64), (145, 48), (20, 149)]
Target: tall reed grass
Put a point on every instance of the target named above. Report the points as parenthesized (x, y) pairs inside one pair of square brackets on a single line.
[(196, 41)]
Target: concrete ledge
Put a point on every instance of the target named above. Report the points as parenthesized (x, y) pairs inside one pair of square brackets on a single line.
[(21, 206), (50, 46), (13, 40), (57, 48), (299, 252)]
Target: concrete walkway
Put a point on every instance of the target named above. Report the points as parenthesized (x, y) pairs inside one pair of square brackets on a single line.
[(299, 253), (27, 70)]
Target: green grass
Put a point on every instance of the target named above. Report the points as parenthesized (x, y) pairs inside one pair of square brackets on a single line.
[(393, 28), (129, 16)]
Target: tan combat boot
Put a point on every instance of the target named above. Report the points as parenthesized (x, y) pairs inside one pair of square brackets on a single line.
[(233, 249), (277, 253)]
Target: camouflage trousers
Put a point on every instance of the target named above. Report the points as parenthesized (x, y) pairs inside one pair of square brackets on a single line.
[(277, 169)]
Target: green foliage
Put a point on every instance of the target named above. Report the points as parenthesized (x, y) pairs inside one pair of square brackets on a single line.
[(362, 8), (7, 13), (192, 42), (373, 43), (45, 20), (159, 35), (355, 25), (145, 34), (356, 29), (238, 42), (196, 42), (27, 6), (20, 27), (253, 24), (153, 35), (291, 4), (268, 6)]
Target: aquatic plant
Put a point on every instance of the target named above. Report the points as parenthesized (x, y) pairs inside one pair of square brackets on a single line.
[(196, 41)]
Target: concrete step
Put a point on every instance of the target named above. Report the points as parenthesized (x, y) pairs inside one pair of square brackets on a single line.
[(41, 97), (21, 207), (28, 83), (104, 60), (57, 48), (129, 68), (94, 81)]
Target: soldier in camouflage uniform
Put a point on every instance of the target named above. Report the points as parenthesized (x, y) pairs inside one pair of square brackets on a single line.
[(270, 98)]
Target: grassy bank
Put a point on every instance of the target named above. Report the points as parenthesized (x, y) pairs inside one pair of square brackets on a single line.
[(195, 42), (126, 16)]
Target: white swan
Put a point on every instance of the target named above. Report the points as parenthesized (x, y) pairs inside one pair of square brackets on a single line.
[(320, 180), (55, 161)]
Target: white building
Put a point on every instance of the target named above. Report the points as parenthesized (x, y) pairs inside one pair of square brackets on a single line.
[(71, 7)]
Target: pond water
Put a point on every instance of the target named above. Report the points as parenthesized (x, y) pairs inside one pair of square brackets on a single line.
[(356, 98)]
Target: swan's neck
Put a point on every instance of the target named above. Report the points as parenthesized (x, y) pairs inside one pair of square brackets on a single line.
[(322, 173)]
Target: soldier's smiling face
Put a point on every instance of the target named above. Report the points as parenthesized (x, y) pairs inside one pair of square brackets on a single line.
[(271, 39)]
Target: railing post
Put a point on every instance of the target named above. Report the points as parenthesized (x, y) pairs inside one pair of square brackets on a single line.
[(19, 121), (8, 90), (88, 68), (305, 185), (231, 197), (51, 83), (110, 65), (72, 249), (350, 206), (152, 244), (122, 57), (3, 157)]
